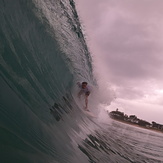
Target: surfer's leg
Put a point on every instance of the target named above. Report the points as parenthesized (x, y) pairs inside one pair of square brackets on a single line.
[(86, 103)]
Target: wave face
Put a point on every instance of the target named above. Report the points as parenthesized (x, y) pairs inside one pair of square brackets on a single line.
[(43, 54)]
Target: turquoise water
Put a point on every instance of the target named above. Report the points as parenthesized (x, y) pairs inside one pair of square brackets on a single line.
[(43, 54)]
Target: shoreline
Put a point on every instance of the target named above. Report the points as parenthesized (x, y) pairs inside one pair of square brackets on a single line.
[(132, 124)]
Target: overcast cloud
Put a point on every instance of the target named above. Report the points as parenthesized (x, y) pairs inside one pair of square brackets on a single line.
[(127, 35)]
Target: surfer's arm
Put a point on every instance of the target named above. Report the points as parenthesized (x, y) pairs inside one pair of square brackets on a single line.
[(79, 84), (79, 94)]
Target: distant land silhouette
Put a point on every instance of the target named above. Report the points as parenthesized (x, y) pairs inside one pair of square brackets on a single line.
[(133, 119)]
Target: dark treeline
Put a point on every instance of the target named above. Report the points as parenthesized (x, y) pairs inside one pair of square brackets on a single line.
[(134, 120)]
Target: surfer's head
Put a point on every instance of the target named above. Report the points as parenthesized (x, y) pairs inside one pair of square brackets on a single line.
[(84, 84)]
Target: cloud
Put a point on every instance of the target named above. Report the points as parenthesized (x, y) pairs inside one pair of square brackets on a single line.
[(126, 36)]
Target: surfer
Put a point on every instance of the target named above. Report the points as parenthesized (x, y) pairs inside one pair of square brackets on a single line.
[(84, 90)]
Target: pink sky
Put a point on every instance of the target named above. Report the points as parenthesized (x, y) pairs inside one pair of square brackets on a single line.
[(127, 37)]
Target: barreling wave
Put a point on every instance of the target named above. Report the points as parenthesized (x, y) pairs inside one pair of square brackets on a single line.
[(43, 50), (43, 54)]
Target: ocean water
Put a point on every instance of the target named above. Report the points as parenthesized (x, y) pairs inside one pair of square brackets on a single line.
[(43, 54)]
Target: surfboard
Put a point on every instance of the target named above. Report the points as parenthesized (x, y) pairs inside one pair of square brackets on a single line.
[(89, 114)]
